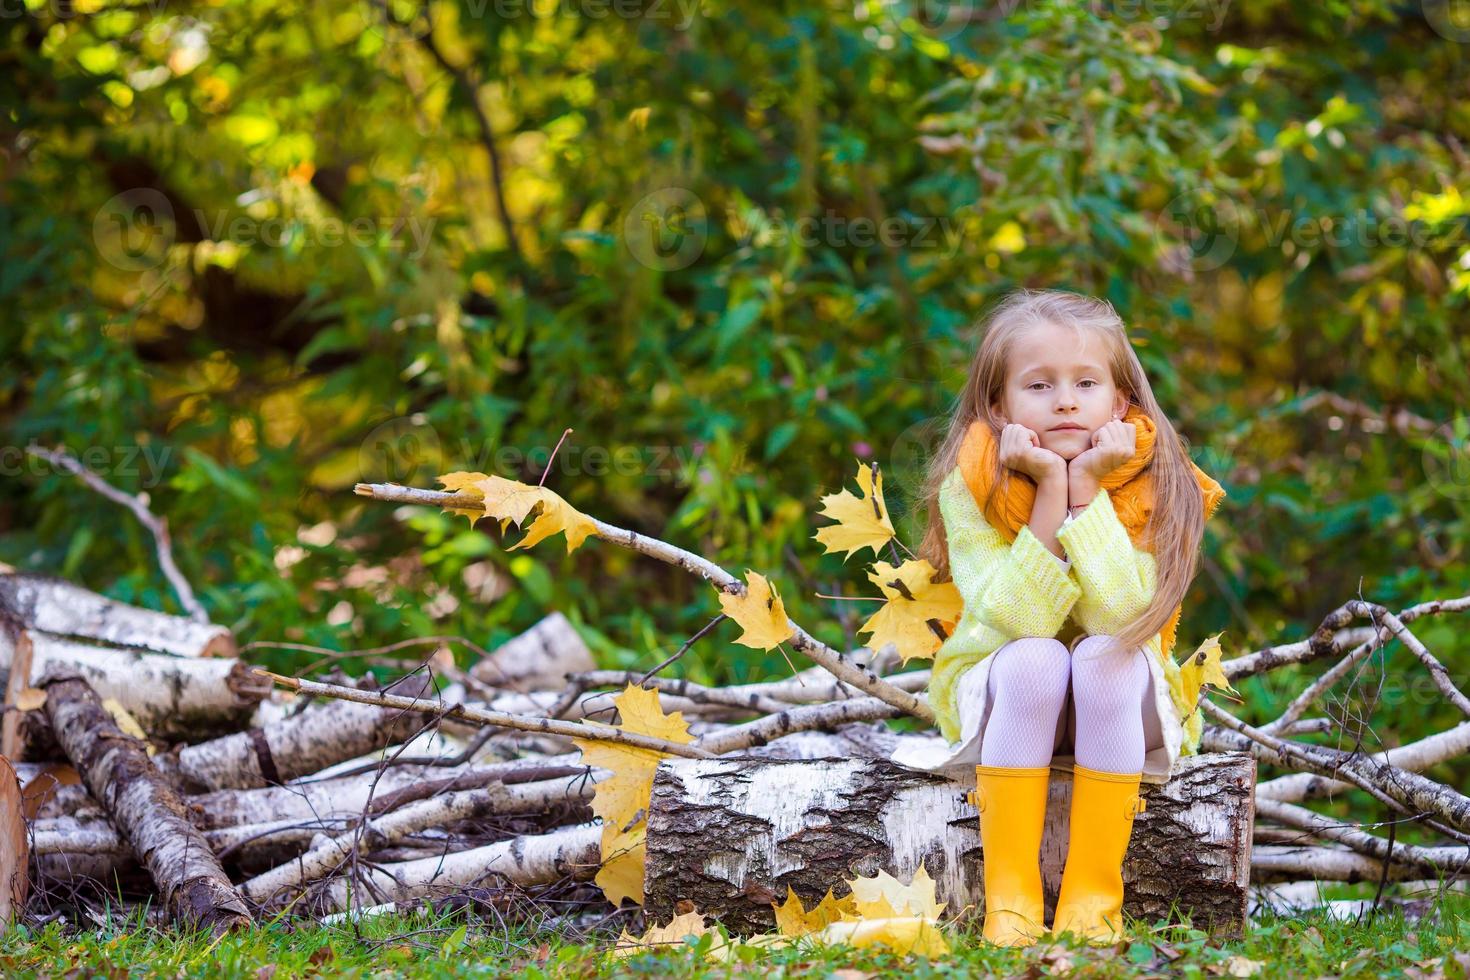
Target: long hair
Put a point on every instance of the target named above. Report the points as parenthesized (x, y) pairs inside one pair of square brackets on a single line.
[(1175, 527)]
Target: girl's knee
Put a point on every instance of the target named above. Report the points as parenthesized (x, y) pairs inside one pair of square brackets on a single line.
[(1035, 670), (1108, 681)]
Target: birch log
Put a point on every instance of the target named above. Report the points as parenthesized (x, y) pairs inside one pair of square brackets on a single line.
[(143, 807), (322, 735), (56, 606), (730, 835), (538, 659), (171, 697), (535, 859)]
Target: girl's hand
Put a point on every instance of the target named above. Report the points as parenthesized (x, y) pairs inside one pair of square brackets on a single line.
[(1021, 450), (1112, 446)]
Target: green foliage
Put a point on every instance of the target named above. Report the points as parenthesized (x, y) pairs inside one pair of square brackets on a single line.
[(254, 253)]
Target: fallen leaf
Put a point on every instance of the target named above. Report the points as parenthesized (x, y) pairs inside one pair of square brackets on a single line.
[(690, 924), (861, 522), (792, 919), (872, 895), (126, 722), (1240, 966), (902, 934)]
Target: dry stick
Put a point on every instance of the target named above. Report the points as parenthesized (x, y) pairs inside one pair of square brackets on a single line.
[(157, 526), (683, 649), (698, 693), (1404, 791), (803, 719), (1323, 864), (144, 807), (1415, 757), (1382, 616), (1378, 635), (1449, 860), (1324, 642), (836, 662), (479, 716), (378, 832)]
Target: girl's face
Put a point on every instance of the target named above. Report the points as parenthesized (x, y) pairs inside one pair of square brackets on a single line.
[(1058, 377)]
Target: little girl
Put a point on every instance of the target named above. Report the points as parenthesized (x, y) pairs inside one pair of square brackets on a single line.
[(1071, 523)]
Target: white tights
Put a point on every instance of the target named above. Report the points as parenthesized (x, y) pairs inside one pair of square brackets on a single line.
[(1028, 684)]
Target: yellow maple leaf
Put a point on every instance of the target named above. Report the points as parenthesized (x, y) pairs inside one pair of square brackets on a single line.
[(690, 924), (624, 856), (1203, 667), (792, 919), (622, 799), (127, 723), (512, 500), (883, 896), (902, 934), (920, 613), (760, 613), (862, 522), (467, 484)]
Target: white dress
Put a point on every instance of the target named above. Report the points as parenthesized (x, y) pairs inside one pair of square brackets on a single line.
[(1163, 729)]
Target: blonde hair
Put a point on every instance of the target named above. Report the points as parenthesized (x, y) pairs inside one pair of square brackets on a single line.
[(1176, 525)]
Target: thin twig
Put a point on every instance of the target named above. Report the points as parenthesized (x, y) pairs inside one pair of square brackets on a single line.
[(157, 526)]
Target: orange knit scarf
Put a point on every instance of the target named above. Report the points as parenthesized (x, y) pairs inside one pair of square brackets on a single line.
[(1130, 487)]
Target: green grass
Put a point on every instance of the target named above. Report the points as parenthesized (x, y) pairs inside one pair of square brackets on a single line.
[(453, 944)]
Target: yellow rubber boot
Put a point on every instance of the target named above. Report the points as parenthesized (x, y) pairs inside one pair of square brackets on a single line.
[(1012, 805), (1090, 902)]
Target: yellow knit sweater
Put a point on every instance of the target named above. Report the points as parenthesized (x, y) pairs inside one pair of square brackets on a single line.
[(1017, 589)]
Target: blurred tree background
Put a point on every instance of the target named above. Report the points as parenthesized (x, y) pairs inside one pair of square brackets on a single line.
[(256, 252)]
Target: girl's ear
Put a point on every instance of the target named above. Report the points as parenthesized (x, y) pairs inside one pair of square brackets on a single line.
[(1120, 403)]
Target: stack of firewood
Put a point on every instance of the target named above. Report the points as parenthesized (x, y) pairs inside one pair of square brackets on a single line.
[(154, 762)]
